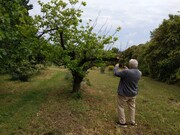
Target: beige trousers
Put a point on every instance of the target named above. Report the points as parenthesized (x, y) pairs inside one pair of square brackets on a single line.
[(122, 100)]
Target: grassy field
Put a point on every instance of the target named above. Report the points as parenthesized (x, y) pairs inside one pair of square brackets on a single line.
[(45, 106)]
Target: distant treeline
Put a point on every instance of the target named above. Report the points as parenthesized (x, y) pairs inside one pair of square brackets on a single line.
[(160, 57), (23, 50)]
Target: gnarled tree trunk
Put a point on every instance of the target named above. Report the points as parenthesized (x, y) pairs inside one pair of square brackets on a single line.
[(77, 79)]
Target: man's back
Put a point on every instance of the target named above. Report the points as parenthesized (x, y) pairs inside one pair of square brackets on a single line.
[(128, 85)]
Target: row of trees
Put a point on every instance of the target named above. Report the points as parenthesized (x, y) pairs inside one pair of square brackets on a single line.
[(160, 57), (58, 36), (20, 47)]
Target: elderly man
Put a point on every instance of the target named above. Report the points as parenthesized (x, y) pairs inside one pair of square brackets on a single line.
[(127, 91)]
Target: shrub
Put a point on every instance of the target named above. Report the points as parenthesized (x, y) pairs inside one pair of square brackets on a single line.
[(102, 69), (93, 68), (110, 68), (22, 71)]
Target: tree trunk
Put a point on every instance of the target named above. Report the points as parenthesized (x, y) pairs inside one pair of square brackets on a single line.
[(77, 79)]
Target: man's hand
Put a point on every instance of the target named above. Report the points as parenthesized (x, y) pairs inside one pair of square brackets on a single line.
[(125, 67), (117, 65)]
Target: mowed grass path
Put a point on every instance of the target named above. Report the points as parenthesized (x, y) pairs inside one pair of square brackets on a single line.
[(45, 106)]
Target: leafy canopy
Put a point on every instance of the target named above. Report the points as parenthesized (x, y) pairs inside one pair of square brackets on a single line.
[(77, 46)]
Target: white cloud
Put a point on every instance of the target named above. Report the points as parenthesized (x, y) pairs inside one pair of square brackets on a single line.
[(130, 35), (134, 16)]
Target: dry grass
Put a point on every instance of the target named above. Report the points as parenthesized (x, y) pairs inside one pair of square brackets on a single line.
[(53, 110)]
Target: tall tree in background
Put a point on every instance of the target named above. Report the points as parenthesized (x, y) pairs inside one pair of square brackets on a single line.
[(25, 4), (163, 53), (18, 39), (78, 45), (160, 57)]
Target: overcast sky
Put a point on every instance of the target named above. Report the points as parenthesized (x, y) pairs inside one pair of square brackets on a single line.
[(136, 17)]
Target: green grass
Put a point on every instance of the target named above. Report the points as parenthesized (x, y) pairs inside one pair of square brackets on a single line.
[(45, 106)]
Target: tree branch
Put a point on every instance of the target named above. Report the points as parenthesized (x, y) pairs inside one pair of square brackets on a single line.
[(62, 41), (46, 31)]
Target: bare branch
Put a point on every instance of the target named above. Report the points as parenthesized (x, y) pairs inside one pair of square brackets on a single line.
[(108, 30), (95, 22), (102, 26)]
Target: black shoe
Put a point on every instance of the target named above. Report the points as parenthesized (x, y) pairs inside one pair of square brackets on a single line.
[(133, 124), (121, 125)]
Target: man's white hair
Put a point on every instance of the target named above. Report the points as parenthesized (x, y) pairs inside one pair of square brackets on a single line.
[(133, 63)]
